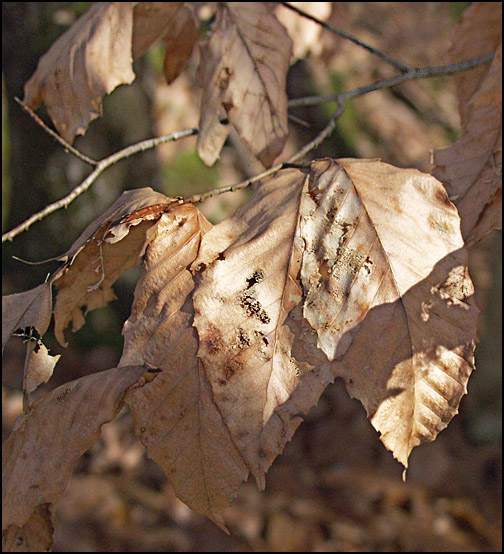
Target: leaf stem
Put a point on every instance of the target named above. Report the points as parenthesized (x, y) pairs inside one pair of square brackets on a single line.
[(328, 129)]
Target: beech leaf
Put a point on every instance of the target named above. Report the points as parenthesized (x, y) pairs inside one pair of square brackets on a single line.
[(150, 21), (31, 308), (243, 69), (39, 366), (175, 417), (387, 290), (241, 301), (109, 246), (39, 455), (479, 33), (88, 61), (471, 169), (179, 40)]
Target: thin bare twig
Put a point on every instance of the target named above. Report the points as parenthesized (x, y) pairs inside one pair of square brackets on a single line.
[(419, 73), (328, 129), (60, 139), (343, 34), (100, 167)]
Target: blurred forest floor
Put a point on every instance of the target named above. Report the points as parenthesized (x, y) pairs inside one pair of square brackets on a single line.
[(335, 487)]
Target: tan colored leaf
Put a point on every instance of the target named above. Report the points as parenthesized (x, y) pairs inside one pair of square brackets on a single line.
[(243, 70), (471, 169), (39, 455), (32, 308), (175, 417), (387, 290), (130, 202), (305, 32), (179, 40), (99, 256), (150, 19), (88, 61), (241, 301), (36, 535), (479, 33), (39, 366)]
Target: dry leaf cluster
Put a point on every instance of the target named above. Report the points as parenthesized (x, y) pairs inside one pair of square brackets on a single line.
[(343, 268)]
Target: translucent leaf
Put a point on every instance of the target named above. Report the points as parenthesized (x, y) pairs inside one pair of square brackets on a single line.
[(88, 61), (243, 69)]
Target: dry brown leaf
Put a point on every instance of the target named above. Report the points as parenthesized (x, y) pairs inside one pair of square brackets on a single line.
[(88, 61), (387, 290), (479, 33), (241, 301), (175, 417), (109, 246), (39, 455), (32, 308), (36, 535), (471, 169), (243, 70), (179, 40), (150, 19), (305, 32), (39, 366)]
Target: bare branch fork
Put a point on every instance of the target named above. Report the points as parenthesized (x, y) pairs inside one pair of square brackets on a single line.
[(340, 98)]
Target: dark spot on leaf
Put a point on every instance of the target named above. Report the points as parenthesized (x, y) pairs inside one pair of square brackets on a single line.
[(253, 307), (256, 277)]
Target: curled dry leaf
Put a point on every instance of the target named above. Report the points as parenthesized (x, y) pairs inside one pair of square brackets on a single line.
[(39, 455), (109, 246), (36, 535), (174, 415), (179, 40), (26, 309), (471, 169), (29, 313), (387, 290), (88, 61), (39, 367), (479, 33), (150, 20), (243, 69)]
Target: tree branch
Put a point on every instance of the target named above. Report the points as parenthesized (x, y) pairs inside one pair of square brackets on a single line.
[(339, 97), (343, 34), (91, 178), (420, 73), (328, 129), (61, 140)]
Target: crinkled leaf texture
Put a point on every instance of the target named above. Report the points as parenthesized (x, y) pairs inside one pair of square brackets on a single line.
[(355, 269), (39, 455), (88, 61), (95, 55), (243, 71), (110, 245), (387, 290), (471, 169)]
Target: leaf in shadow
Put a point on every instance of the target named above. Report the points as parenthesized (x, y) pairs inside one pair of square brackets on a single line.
[(175, 417), (39, 455), (88, 61), (241, 300)]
